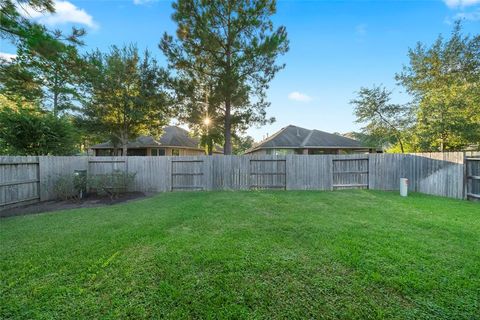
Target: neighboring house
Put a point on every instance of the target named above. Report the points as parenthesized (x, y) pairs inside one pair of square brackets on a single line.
[(174, 141), (297, 140)]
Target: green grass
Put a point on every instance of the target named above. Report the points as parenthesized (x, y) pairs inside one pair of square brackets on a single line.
[(333, 255)]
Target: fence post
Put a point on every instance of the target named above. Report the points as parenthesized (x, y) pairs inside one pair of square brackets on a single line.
[(465, 173)]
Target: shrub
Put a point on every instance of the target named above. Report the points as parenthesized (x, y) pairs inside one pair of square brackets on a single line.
[(70, 186), (36, 132), (111, 184)]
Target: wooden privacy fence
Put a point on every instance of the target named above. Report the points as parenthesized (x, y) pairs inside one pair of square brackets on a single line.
[(268, 174), (19, 180), (350, 173), (188, 174), (473, 176), (29, 179)]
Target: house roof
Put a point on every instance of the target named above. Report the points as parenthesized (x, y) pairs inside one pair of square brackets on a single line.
[(172, 136), (297, 137)]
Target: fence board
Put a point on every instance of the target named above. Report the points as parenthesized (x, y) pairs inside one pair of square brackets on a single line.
[(189, 173), (472, 176), (153, 174), (51, 168), (230, 172), (104, 165), (268, 172), (19, 181), (443, 174), (431, 173), (350, 173), (309, 172)]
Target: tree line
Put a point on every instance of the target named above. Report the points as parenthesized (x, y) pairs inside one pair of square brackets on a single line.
[(56, 100), (220, 62), (444, 114)]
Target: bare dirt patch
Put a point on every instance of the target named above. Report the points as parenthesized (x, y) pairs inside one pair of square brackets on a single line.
[(92, 200)]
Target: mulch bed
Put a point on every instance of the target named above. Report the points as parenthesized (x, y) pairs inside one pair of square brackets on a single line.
[(92, 200)]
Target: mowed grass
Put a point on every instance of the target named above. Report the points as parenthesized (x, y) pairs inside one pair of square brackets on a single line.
[(332, 255)]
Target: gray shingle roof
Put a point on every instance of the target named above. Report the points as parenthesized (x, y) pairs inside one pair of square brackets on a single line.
[(172, 137), (297, 137), (178, 137)]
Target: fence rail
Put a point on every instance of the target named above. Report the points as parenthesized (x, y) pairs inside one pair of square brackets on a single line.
[(455, 175), (472, 172)]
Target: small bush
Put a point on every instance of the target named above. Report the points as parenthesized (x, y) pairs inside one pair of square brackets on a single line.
[(111, 184), (69, 186)]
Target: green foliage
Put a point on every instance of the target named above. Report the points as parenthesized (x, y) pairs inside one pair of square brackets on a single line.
[(70, 186), (232, 46), (51, 79), (242, 144), (373, 140), (30, 131), (126, 96), (19, 30), (15, 27), (444, 80), (382, 118), (111, 184), (351, 254), (19, 84), (195, 101)]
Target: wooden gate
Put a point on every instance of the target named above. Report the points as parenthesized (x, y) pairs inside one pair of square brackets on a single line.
[(350, 173), (268, 174), (473, 177), (188, 175), (19, 181)]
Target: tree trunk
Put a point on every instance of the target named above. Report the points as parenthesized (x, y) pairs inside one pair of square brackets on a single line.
[(227, 148), (210, 147), (55, 104), (55, 94), (401, 145), (442, 142), (124, 141)]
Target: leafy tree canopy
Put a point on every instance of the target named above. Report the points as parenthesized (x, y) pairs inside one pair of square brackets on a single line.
[(381, 117), (28, 130), (52, 80), (444, 80), (234, 44), (126, 95), (242, 144), (17, 28)]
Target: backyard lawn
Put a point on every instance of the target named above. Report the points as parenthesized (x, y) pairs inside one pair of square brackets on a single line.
[(333, 255)]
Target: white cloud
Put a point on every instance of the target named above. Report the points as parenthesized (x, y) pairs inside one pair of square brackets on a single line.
[(461, 3), (139, 2), (471, 16), (7, 56), (361, 29), (65, 12), (301, 97)]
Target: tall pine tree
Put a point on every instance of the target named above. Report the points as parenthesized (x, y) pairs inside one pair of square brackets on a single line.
[(234, 43)]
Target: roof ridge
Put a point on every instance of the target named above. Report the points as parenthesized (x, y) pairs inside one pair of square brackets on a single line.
[(338, 135), (302, 144), (270, 138)]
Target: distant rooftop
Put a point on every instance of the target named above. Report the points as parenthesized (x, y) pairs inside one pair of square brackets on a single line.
[(172, 136), (297, 137)]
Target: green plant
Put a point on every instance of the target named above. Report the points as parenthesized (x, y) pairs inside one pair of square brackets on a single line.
[(111, 184), (348, 254), (32, 131), (69, 186)]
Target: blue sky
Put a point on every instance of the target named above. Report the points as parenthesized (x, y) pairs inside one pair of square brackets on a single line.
[(335, 47)]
